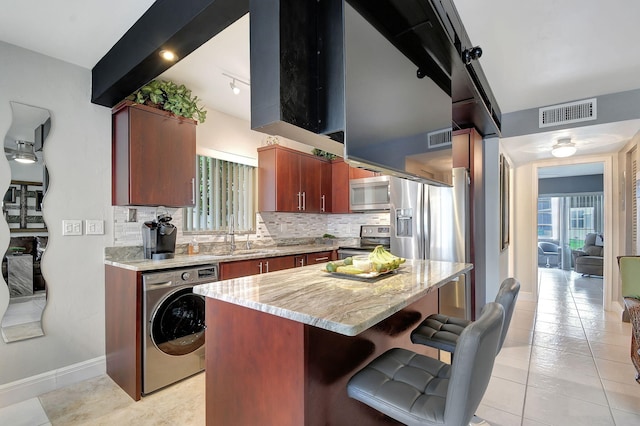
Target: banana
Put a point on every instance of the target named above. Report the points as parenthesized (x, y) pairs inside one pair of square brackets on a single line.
[(383, 260), (349, 270)]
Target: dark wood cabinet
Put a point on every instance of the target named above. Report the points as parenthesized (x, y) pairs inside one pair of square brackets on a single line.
[(244, 268), (290, 181), (123, 335), (313, 258), (326, 187), (320, 257), (153, 157), (467, 152), (341, 173)]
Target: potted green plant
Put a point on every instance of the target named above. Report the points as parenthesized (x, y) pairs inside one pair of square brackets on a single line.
[(324, 154), (167, 95)]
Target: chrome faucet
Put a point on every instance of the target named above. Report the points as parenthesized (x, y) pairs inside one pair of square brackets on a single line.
[(232, 237)]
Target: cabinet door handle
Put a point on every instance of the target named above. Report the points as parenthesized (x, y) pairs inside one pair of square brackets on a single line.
[(320, 259), (304, 201), (260, 266), (193, 190), (322, 202), (267, 264), (302, 261), (299, 203)]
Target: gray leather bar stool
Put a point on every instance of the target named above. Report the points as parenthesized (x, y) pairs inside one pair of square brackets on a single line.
[(418, 390), (442, 332)]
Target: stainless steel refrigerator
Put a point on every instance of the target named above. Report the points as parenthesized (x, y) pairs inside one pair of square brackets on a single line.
[(430, 222)]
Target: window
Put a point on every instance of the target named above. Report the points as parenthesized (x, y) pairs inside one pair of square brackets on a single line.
[(223, 189), (545, 218)]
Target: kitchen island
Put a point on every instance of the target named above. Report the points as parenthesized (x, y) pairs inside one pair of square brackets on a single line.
[(280, 347)]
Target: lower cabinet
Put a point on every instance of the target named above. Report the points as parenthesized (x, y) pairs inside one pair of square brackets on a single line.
[(313, 258), (244, 268)]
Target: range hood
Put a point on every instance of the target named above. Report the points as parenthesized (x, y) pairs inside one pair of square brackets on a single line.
[(372, 81)]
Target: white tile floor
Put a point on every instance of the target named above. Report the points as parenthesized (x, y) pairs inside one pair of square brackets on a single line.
[(565, 362), (25, 310)]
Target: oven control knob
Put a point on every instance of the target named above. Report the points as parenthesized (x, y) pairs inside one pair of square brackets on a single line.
[(185, 276)]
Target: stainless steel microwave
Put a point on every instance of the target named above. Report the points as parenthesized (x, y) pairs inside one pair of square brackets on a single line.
[(367, 194)]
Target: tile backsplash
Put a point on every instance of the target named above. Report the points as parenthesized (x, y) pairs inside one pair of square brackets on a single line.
[(271, 227)]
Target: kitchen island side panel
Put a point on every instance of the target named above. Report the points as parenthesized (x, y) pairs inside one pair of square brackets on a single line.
[(261, 366), (255, 367), (123, 313)]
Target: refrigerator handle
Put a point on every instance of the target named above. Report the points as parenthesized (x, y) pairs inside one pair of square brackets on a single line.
[(420, 223)]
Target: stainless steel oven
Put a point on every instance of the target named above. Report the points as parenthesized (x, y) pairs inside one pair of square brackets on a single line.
[(370, 237), (371, 193)]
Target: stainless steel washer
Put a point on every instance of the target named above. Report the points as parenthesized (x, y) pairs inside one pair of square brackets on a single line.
[(173, 325)]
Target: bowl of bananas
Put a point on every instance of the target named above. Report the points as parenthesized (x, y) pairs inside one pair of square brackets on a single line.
[(376, 263)]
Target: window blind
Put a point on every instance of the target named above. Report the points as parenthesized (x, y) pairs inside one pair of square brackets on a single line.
[(224, 189)]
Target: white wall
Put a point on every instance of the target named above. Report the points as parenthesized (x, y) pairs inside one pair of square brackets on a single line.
[(487, 223), (230, 138), (78, 154), (523, 229)]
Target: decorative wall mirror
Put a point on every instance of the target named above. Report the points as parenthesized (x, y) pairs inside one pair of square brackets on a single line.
[(22, 209)]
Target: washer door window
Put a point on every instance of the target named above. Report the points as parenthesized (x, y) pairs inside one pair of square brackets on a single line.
[(177, 325)]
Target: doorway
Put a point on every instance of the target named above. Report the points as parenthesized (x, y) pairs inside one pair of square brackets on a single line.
[(574, 200)]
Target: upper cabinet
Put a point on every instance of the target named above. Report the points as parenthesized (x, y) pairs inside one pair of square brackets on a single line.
[(291, 181), (341, 173), (153, 157)]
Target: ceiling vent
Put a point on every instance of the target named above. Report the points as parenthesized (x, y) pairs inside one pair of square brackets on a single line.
[(439, 138), (572, 112)]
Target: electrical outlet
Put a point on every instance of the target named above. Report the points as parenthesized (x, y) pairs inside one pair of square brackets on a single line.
[(71, 227), (94, 227)]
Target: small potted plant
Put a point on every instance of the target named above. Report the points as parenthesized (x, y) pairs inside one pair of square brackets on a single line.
[(169, 96)]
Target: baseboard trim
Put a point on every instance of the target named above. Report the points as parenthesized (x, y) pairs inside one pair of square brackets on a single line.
[(31, 387)]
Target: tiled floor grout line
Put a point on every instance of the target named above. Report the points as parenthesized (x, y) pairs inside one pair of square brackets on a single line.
[(533, 335), (606, 395)]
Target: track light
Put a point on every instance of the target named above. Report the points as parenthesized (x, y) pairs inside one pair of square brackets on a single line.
[(234, 83), (24, 153), (235, 89), (563, 148)]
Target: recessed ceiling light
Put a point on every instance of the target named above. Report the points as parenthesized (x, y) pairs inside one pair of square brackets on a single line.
[(168, 55)]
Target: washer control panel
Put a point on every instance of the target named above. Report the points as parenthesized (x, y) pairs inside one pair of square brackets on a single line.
[(180, 276)]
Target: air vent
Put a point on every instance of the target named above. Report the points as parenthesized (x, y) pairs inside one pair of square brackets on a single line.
[(439, 138), (572, 112)]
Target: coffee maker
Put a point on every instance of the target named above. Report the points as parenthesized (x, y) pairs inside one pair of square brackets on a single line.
[(159, 238)]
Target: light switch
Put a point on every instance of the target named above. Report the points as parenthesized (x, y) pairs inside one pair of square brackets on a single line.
[(71, 227), (94, 227)]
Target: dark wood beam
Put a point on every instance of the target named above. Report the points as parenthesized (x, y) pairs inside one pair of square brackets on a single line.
[(168, 24)]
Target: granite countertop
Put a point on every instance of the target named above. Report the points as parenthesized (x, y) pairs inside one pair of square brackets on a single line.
[(345, 305), (183, 260)]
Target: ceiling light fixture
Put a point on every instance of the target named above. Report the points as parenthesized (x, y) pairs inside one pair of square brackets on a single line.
[(563, 148), (235, 89), (234, 80), (24, 153), (168, 55)]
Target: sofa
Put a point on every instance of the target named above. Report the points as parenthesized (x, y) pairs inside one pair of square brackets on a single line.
[(549, 254), (589, 259)]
